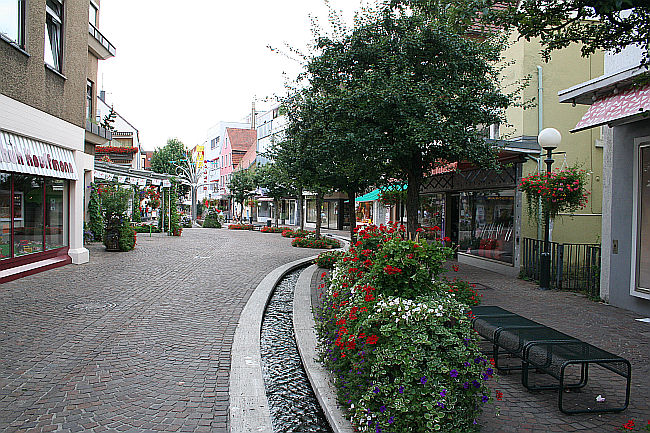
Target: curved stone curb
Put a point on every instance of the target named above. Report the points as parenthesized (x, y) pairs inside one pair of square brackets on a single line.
[(303, 326), (249, 408)]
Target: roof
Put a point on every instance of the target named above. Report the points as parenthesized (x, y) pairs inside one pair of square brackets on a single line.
[(242, 139), (590, 91)]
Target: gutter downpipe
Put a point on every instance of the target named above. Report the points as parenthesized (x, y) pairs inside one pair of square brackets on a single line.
[(540, 126)]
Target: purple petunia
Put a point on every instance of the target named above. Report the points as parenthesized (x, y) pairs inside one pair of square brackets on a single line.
[(401, 390), (476, 384), (443, 393), (391, 420), (442, 405), (466, 364), (466, 385), (489, 371), (423, 380), (382, 409), (453, 373), (485, 398), (376, 390)]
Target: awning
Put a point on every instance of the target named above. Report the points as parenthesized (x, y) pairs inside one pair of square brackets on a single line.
[(619, 107), (371, 196), (25, 155)]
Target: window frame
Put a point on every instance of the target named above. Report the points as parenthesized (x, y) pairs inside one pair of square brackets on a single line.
[(635, 290), (20, 42), (59, 19), (90, 100)]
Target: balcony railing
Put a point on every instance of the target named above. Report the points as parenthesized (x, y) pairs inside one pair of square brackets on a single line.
[(103, 49), (99, 131)]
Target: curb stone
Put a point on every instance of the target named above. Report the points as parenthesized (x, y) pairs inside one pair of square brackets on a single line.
[(303, 325)]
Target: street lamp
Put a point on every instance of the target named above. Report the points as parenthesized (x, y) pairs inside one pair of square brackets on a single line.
[(549, 139)]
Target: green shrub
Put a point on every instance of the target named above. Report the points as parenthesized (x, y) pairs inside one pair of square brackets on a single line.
[(327, 259), (115, 202), (274, 229), (213, 220), (146, 229), (128, 237), (312, 242), (400, 364), (96, 220)]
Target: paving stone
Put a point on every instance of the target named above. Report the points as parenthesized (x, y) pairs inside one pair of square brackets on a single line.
[(155, 334)]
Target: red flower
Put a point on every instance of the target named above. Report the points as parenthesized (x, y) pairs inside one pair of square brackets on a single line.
[(391, 270), (455, 268), (499, 395), (372, 339), (369, 297)]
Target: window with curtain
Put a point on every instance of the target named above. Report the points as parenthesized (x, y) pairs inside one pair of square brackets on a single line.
[(54, 34), (12, 21)]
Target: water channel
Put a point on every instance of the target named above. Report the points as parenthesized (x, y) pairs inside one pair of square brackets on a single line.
[(293, 405)]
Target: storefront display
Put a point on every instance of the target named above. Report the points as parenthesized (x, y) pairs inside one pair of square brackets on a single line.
[(643, 248), (33, 214), (486, 224), (432, 215)]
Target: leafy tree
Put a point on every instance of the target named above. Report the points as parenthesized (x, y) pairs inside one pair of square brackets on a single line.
[(242, 186), (109, 120), (135, 212), (596, 24), (166, 159), (96, 221), (175, 218), (419, 91)]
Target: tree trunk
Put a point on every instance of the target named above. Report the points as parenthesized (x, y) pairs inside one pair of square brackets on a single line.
[(299, 210), (276, 209), (319, 218), (353, 216), (412, 203)]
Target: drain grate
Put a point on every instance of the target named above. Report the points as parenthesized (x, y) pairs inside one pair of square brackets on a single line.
[(90, 307)]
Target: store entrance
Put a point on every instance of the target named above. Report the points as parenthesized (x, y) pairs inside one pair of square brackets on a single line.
[(453, 217)]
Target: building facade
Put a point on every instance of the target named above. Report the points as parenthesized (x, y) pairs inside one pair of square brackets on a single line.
[(124, 148), (49, 52), (619, 103)]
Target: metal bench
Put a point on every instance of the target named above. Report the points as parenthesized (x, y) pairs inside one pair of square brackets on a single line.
[(544, 349)]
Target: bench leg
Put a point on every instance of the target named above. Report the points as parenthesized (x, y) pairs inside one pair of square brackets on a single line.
[(584, 375), (586, 370)]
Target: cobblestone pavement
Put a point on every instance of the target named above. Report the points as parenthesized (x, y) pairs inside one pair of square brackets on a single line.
[(610, 328), (131, 342)]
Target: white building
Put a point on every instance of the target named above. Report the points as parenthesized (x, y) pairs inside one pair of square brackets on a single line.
[(125, 135)]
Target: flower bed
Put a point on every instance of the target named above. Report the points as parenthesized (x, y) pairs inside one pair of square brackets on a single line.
[(398, 341), (327, 259), (274, 229), (240, 227), (312, 242), (297, 233)]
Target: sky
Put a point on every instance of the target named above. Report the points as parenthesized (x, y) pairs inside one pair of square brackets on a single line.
[(183, 66)]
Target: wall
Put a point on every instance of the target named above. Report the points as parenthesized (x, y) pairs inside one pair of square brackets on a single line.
[(565, 68), (617, 225), (26, 79)]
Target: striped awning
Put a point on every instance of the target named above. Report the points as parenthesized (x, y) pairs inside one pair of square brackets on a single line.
[(20, 154), (617, 107)]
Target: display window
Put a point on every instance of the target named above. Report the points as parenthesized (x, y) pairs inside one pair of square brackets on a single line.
[(364, 212), (432, 215), (33, 214), (486, 224)]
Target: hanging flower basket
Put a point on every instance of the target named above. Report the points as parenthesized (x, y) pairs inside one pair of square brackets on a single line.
[(560, 191)]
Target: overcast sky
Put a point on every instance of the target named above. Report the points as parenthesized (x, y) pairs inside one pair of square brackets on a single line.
[(183, 66)]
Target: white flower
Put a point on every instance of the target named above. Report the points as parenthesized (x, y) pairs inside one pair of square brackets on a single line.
[(600, 398)]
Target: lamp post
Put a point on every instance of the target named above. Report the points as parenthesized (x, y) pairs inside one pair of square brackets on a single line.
[(549, 139)]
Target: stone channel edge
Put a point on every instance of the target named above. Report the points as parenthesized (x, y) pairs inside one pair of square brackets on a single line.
[(303, 327)]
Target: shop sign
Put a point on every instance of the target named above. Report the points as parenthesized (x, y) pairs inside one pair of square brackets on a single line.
[(142, 182), (166, 183), (24, 155), (155, 181)]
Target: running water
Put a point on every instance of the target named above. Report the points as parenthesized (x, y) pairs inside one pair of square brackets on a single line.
[(293, 405)]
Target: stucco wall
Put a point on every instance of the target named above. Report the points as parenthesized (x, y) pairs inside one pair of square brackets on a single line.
[(617, 222), (26, 79)]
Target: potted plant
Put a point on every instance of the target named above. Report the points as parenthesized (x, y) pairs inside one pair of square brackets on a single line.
[(560, 191)]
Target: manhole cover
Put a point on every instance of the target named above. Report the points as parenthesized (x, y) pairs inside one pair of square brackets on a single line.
[(479, 286), (90, 306)]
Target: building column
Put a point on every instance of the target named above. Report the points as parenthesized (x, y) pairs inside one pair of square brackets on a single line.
[(85, 164)]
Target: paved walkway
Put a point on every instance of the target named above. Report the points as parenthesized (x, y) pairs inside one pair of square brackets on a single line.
[(134, 342), (610, 328)]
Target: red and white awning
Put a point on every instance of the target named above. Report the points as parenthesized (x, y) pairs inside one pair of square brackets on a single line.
[(20, 154), (621, 106)]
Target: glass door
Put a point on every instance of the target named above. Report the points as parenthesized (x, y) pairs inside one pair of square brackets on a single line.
[(643, 222)]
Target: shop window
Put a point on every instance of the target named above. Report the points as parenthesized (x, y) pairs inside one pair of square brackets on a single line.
[(54, 34), (364, 212), (486, 224), (432, 214), (89, 100), (643, 224), (28, 214), (12, 21), (55, 218), (5, 215), (311, 211)]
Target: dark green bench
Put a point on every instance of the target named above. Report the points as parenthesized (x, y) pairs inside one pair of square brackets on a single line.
[(547, 350)]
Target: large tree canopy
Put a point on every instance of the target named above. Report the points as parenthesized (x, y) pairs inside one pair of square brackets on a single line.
[(596, 24), (420, 92), (167, 158)]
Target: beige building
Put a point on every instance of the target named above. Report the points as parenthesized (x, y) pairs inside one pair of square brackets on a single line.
[(49, 50)]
